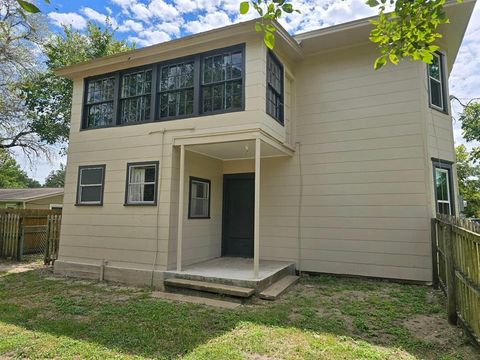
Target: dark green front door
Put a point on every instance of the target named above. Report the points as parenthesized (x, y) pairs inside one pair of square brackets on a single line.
[(238, 215)]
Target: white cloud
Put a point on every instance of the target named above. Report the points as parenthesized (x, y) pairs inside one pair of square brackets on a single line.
[(150, 37), (130, 25), (208, 22), (99, 17), (161, 10), (76, 20)]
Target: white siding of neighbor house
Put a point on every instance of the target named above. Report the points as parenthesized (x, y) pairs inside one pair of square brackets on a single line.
[(356, 197)]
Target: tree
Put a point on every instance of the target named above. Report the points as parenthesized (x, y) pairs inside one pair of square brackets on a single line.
[(20, 36), (468, 175), (409, 31), (56, 178), (11, 175), (49, 97), (470, 119)]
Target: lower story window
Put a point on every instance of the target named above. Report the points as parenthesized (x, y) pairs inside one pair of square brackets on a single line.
[(443, 188), (199, 205), (142, 183), (90, 185)]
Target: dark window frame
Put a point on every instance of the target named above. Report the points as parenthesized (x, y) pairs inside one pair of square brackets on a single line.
[(443, 86), (207, 181), (80, 168), (155, 110), (277, 61), (118, 110), (447, 166), (127, 182)]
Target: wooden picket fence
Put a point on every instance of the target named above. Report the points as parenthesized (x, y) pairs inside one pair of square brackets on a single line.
[(28, 231), (456, 269)]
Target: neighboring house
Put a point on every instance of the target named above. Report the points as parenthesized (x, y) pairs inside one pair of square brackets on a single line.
[(34, 198), (304, 155)]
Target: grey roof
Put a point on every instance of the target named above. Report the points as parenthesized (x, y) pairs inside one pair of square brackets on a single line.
[(28, 194)]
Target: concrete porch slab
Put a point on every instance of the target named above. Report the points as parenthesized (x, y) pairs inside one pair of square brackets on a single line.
[(236, 272)]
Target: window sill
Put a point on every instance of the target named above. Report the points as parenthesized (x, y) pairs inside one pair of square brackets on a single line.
[(149, 204), (81, 204), (436, 108), (199, 218)]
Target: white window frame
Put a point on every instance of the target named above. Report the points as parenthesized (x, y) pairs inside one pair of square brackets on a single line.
[(81, 186), (55, 206), (449, 201), (11, 206), (131, 166), (441, 82)]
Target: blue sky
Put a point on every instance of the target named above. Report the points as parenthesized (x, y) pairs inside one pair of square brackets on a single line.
[(152, 21)]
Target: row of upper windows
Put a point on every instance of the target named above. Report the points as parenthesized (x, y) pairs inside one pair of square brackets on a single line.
[(141, 188), (204, 84)]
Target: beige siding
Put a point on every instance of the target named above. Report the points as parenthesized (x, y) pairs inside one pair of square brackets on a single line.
[(355, 198)]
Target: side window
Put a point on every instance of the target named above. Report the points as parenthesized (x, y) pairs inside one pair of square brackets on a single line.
[(135, 96), (199, 204), (274, 88), (436, 83), (99, 102), (142, 180), (91, 181), (443, 188)]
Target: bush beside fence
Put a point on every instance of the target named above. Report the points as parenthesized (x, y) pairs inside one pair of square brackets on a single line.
[(456, 269)]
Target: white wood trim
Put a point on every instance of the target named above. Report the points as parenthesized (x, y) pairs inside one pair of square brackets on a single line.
[(256, 236), (180, 207)]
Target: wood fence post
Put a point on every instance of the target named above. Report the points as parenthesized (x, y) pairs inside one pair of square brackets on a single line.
[(435, 280), (21, 237), (450, 269)]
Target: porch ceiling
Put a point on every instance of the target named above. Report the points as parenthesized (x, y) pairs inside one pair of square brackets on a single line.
[(235, 150)]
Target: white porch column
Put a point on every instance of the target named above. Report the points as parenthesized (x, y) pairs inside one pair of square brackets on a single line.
[(181, 189), (256, 233)]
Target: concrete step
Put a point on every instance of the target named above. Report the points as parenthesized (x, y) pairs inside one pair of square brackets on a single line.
[(215, 288), (278, 288), (195, 300)]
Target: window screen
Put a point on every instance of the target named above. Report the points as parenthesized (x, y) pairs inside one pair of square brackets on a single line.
[(135, 97), (222, 78), (142, 184), (99, 102), (199, 207), (274, 88), (176, 89), (436, 83), (90, 185)]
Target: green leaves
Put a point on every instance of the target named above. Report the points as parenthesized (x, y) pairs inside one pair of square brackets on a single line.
[(244, 7), (269, 10), (410, 31), (28, 6)]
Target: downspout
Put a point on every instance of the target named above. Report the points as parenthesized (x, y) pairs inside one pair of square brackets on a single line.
[(300, 204)]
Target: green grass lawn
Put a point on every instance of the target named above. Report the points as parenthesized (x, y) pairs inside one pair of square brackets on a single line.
[(323, 317)]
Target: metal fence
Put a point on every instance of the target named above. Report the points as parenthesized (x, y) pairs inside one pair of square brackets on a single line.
[(25, 232), (456, 269)]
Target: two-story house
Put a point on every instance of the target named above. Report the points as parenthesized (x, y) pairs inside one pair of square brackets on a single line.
[(303, 155)]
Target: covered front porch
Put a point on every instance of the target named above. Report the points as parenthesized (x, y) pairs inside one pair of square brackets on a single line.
[(236, 207)]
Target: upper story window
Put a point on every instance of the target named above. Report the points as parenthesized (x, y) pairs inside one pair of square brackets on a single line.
[(99, 104), (177, 89), (135, 96), (202, 84), (275, 88), (222, 81), (436, 83)]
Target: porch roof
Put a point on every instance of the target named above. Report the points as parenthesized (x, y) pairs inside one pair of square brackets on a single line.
[(234, 146)]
